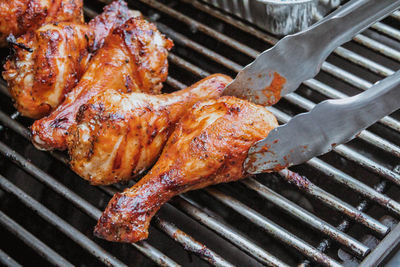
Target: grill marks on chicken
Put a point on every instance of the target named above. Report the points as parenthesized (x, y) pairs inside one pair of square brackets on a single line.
[(133, 59), (38, 79), (208, 146), (20, 16), (120, 135), (47, 63)]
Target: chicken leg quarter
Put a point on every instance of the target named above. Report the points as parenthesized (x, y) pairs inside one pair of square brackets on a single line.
[(208, 146)]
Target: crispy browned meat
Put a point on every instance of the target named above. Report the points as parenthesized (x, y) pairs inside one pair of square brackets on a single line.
[(20, 16), (208, 146), (133, 59), (120, 135), (48, 62)]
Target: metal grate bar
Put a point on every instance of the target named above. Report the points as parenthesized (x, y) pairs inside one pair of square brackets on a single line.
[(386, 29), (306, 186), (345, 224), (377, 47), (273, 229), (307, 217), (29, 239), (346, 76), (188, 242), (79, 202), (355, 184), (363, 61), (60, 224), (7, 260), (251, 52), (396, 15), (186, 205)]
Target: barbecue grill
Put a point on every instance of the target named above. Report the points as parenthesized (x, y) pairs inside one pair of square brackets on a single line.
[(339, 209)]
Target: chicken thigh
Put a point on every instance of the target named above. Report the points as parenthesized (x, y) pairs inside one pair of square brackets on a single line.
[(47, 63), (118, 136), (20, 16), (208, 146), (133, 59)]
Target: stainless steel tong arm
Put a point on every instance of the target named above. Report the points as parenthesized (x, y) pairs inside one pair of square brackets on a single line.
[(329, 123), (298, 57)]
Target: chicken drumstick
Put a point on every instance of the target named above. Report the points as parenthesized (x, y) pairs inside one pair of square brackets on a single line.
[(208, 146)]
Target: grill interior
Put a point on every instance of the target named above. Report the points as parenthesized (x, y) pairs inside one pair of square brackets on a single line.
[(334, 210)]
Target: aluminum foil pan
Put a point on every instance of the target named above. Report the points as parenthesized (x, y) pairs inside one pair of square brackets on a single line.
[(280, 17)]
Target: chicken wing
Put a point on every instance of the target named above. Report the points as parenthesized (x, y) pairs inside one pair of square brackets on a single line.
[(133, 59), (48, 62), (119, 135), (208, 146), (20, 16)]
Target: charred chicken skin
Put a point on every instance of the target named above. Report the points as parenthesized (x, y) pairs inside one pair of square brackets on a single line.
[(133, 59), (20, 16), (118, 135), (208, 146), (48, 62)]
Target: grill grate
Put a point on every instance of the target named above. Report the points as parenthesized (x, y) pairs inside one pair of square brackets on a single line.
[(348, 184)]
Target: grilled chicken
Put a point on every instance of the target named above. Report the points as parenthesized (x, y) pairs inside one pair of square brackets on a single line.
[(48, 62), (208, 146), (20, 16), (120, 135), (133, 59)]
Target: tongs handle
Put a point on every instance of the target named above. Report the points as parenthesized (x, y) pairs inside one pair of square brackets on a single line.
[(348, 20)]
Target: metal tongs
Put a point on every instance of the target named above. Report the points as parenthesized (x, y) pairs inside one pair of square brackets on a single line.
[(298, 57)]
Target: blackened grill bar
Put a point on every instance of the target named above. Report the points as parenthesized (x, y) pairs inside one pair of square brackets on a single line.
[(191, 207)]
